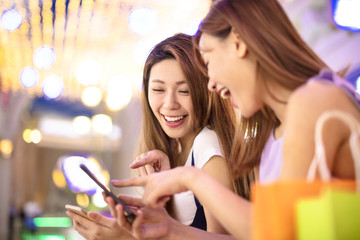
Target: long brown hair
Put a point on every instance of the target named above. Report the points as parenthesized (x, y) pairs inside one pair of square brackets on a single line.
[(209, 109), (282, 56)]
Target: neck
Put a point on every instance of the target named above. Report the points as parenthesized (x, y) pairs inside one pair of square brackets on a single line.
[(186, 143), (278, 105)]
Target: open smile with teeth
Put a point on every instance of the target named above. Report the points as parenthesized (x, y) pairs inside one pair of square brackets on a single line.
[(174, 119), (225, 93)]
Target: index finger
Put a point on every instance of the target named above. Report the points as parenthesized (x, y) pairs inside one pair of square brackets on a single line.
[(137, 181), (142, 162)]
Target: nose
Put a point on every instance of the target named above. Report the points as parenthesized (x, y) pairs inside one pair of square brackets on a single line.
[(171, 101), (211, 86)]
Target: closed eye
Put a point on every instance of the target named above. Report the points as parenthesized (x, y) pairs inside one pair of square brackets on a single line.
[(157, 90)]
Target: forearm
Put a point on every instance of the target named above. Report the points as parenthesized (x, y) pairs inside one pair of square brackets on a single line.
[(232, 211), (179, 231)]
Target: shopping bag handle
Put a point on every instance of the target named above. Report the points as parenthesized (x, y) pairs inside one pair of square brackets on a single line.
[(319, 160)]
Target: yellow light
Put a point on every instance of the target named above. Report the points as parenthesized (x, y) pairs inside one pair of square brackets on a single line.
[(91, 96), (58, 178), (82, 124), (82, 200), (35, 136), (102, 124), (26, 135), (6, 147)]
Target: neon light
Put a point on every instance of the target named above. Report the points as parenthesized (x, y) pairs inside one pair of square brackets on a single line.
[(28, 236), (52, 222)]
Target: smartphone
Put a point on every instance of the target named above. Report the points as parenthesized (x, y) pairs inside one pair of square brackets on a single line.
[(78, 210), (129, 215)]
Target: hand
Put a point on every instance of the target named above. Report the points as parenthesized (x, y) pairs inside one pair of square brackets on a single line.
[(150, 162), (149, 223), (99, 227), (159, 186)]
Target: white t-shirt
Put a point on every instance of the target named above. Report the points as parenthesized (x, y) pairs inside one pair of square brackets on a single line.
[(206, 145)]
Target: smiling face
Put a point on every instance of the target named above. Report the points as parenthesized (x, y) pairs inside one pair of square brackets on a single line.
[(231, 71), (170, 100)]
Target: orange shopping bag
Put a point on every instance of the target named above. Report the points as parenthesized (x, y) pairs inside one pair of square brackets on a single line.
[(275, 203)]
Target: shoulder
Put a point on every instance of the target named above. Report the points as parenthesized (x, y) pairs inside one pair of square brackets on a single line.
[(206, 145), (315, 97), (206, 136)]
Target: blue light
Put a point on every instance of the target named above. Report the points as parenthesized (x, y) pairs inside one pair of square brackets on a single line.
[(346, 14), (143, 20), (44, 57), (29, 76), (358, 84), (52, 87), (11, 19)]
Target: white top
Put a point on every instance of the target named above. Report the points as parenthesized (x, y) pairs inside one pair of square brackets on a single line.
[(205, 146)]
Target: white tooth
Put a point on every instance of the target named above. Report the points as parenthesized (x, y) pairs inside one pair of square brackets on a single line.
[(223, 93), (173, 119)]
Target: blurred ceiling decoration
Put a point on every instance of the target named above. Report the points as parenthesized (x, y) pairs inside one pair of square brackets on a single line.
[(88, 37)]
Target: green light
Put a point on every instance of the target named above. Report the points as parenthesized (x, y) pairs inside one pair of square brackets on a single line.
[(52, 222), (29, 236)]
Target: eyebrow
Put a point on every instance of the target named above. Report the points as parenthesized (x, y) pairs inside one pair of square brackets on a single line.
[(163, 82)]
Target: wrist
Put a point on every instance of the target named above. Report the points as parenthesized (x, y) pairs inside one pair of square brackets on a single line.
[(188, 176)]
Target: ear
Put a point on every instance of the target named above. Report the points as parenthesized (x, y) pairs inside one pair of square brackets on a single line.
[(240, 45)]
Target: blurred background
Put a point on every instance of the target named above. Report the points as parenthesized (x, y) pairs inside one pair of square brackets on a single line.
[(70, 81)]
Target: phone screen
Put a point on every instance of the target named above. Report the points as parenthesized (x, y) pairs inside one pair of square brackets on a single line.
[(129, 215)]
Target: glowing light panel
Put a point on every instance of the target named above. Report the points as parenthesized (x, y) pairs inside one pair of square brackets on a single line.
[(358, 85), (11, 19), (142, 20), (346, 14), (29, 76), (52, 222), (44, 57)]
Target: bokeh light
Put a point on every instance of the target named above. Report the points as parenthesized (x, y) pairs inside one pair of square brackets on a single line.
[(35, 136), (58, 178), (82, 125), (6, 147), (91, 96), (143, 48), (98, 199), (44, 57), (102, 124), (88, 72), (11, 19), (82, 200), (52, 86), (29, 76), (119, 93), (143, 20), (26, 135), (79, 181), (358, 84)]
